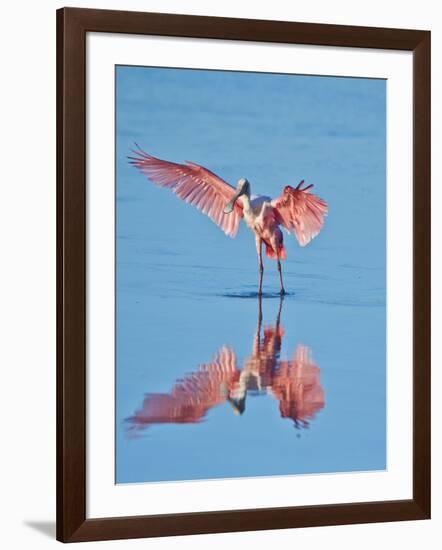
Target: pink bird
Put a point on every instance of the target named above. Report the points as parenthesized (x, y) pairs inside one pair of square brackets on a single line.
[(295, 384), (297, 210)]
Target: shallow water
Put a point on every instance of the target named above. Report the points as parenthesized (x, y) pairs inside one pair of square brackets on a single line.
[(204, 389)]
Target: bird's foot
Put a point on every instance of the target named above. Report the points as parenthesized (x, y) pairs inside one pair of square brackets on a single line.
[(282, 292)]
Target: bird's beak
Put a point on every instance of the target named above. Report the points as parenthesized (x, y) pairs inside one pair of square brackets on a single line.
[(238, 405), (230, 205)]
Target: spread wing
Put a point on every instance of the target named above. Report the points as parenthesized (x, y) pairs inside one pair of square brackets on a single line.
[(296, 385), (300, 212), (192, 396), (195, 185)]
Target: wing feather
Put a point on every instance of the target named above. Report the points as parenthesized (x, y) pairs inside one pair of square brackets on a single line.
[(193, 184), (192, 396), (300, 212)]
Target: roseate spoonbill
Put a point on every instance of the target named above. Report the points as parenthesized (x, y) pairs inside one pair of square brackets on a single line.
[(298, 210), (295, 384)]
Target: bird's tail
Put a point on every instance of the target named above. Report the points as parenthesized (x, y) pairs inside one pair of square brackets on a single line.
[(270, 253)]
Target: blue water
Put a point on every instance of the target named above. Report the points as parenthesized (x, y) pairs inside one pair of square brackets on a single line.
[(304, 390)]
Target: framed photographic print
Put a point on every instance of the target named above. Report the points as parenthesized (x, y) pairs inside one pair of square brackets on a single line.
[(243, 274)]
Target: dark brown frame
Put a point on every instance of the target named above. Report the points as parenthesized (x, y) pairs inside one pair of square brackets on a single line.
[(72, 26)]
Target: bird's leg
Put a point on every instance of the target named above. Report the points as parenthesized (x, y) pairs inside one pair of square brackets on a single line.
[(259, 315), (282, 291), (257, 338), (278, 317), (261, 266)]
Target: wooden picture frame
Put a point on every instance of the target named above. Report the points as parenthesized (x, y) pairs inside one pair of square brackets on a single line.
[(72, 26)]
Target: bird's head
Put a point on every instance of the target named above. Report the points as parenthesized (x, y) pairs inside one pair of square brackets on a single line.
[(242, 188), (238, 405)]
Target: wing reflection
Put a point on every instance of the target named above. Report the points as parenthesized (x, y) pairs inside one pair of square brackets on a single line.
[(295, 384)]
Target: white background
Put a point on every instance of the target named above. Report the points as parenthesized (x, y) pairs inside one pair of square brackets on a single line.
[(27, 299)]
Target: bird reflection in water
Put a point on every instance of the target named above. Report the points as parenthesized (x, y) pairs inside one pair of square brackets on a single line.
[(294, 383)]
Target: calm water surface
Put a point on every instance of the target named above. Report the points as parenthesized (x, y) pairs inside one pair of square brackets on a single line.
[(212, 382)]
